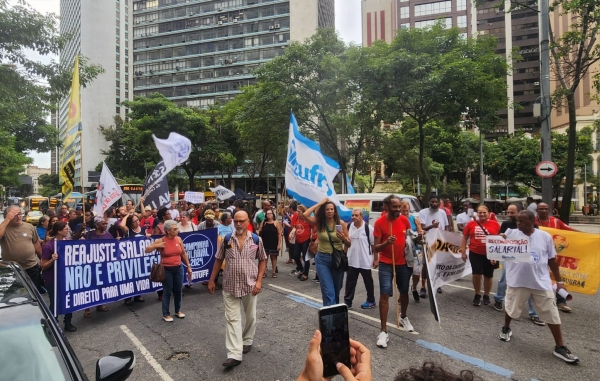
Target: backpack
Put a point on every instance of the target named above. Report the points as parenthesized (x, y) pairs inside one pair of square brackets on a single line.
[(254, 238)]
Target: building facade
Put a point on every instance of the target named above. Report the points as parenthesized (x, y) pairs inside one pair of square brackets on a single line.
[(34, 172), (103, 34), (198, 53)]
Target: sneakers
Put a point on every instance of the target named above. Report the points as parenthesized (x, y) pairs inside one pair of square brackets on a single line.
[(536, 320), (498, 306), (168, 319), (565, 354), (505, 334), (367, 305), (382, 339), (477, 300), (423, 293), (486, 300), (180, 314), (406, 324), (564, 308), (416, 296), (294, 273)]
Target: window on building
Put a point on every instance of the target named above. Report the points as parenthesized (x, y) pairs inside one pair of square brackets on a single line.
[(433, 8), (404, 12), (461, 5), (461, 21)]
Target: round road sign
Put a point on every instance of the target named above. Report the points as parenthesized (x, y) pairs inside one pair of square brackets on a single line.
[(546, 169)]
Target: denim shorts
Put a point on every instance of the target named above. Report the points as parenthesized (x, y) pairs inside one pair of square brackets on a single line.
[(386, 278)]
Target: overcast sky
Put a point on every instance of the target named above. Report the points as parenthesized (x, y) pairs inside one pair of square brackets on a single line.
[(347, 22)]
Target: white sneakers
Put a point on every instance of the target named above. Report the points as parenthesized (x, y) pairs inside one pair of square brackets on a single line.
[(180, 314), (383, 339), (168, 319), (406, 324)]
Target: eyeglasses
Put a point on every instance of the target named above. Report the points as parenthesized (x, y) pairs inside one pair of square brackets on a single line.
[(239, 221)]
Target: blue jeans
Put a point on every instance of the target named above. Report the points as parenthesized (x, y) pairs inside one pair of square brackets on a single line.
[(501, 293), (331, 279), (173, 284)]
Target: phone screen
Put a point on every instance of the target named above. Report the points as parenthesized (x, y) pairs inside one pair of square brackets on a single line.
[(335, 343), (338, 227)]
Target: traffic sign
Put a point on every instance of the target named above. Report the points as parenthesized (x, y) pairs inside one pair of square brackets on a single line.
[(546, 169)]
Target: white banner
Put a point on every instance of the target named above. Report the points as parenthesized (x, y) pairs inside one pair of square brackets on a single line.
[(174, 150), (515, 249), (444, 260), (194, 197), (222, 193), (108, 191)]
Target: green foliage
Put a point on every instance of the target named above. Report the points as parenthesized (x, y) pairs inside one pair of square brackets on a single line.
[(12, 162), (49, 184)]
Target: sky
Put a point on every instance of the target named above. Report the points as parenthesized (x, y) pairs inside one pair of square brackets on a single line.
[(347, 23)]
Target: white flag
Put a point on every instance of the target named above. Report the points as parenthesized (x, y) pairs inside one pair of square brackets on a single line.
[(174, 150), (108, 191), (222, 193)]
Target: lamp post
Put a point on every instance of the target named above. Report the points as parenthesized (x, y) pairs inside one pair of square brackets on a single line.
[(546, 105)]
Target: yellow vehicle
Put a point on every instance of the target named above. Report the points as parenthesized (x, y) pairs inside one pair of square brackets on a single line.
[(36, 202), (33, 217)]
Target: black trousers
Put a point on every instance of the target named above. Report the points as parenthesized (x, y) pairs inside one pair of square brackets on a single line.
[(351, 280), (299, 252)]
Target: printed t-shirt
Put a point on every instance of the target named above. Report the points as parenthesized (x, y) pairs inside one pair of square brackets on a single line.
[(17, 245), (302, 228), (476, 235), (382, 231), (147, 223), (534, 275)]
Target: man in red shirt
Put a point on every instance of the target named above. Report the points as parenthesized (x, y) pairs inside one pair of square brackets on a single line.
[(390, 237), (63, 215), (544, 219)]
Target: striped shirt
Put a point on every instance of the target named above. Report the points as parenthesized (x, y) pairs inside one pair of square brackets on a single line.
[(241, 272)]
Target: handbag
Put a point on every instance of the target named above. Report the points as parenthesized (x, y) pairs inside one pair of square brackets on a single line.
[(157, 273), (340, 258)]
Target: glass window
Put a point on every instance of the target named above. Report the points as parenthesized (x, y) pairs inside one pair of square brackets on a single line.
[(405, 26), (461, 5), (433, 8), (404, 12), (461, 21)]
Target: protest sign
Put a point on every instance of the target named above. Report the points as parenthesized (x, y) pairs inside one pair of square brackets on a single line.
[(578, 256), (194, 197), (91, 273), (157, 191), (222, 193), (510, 249)]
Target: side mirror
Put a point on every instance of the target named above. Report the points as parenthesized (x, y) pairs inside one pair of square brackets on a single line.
[(115, 367)]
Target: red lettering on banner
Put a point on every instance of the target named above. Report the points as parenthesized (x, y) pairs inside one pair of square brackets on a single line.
[(567, 262)]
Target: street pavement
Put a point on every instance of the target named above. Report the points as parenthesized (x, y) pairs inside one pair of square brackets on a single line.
[(466, 338)]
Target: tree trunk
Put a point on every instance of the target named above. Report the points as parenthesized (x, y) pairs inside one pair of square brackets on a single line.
[(565, 209), (191, 175), (468, 182), (422, 167)]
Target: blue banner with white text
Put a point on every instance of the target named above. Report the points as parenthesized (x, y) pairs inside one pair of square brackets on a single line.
[(92, 273)]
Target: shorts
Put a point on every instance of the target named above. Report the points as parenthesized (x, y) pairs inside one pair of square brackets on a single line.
[(544, 302), (481, 265), (386, 278)]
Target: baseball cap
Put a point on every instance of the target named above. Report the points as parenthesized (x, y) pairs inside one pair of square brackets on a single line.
[(148, 208), (78, 207), (209, 214)]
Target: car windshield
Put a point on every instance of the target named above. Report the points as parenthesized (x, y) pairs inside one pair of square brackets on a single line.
[(12, 290)]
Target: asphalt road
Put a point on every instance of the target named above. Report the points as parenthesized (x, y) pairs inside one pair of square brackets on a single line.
[(194, 348)]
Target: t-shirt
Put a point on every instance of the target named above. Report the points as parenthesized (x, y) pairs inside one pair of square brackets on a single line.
[(463, 218), (532, 208), (92, 235), (47, 252), (147, 223), (382, 231), (427, 216), (302, 228), (554, 223), (189, 228), (174, 214), (225, 229), (359, 253), (17, 245), (534, 275), (476, 235), (41, 232), (259, 217), (63, 218), (202, 225)]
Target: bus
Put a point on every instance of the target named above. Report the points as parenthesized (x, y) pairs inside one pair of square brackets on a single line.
[(131, 192), (36, 202)]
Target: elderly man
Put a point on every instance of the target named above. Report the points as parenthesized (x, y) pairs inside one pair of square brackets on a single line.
[(209, 220), (174, 211), (525, 280), (242, 282), (360, 259), (20, 243)]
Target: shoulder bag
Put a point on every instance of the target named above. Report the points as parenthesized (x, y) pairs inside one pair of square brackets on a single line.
[(339, 257), (157, 274)]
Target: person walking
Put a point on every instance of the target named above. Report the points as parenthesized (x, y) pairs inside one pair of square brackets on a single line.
[(242, 282), (59, 232), (525, 280), (390, 239), (360, 260), (415, 226), (270, 232), (304, 236), (332, 233), (474, 233), (172, 255), (432, 218)]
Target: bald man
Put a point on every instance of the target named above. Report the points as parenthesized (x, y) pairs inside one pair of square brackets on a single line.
[(242, 282)]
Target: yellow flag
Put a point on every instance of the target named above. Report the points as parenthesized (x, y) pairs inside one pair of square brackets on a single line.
[(578, 258), (67, 166)]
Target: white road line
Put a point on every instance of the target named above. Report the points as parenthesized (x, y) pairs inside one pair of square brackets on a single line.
[(351, 311), (151, 360)]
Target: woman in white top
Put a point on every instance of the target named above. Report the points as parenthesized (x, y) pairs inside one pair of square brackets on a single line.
[(185, 224)]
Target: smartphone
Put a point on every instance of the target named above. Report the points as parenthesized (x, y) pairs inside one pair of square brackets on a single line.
[(335, 342), (338, 227)]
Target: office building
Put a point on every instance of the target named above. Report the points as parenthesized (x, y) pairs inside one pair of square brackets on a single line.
[(34, 173), (198, 53), (101, 31)]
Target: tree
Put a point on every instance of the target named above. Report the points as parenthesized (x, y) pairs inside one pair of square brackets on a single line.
[(433, 74), (49, 184)]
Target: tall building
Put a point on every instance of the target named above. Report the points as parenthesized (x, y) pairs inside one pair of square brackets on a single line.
[(198, 52), (34, 172), (101, 32)]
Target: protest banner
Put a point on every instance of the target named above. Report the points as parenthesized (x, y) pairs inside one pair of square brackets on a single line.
[(578, 256), (509, 249), (222, 193), (194, 197), (157, 191), (91, 273)]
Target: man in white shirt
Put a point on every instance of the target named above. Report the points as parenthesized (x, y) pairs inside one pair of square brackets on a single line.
[(526, 280), (174, 211), (532, 206), (360, 259), (463, 218)]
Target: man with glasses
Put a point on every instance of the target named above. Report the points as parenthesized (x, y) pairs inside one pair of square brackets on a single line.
[(242, 282), (20, 243)]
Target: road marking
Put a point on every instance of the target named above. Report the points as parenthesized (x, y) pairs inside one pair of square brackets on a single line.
[(317, 303), (151, 360)]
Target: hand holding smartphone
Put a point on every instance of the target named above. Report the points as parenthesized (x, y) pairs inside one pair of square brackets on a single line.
[(335, 343), (338, 228)]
